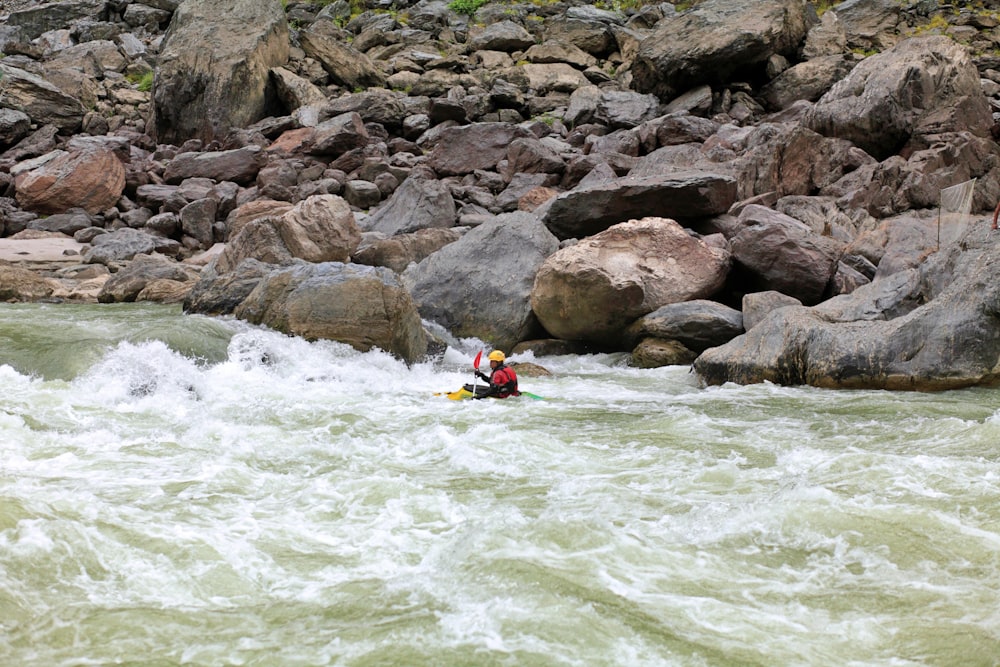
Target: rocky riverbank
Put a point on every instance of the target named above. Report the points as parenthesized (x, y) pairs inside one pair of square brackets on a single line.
[(665, 179)]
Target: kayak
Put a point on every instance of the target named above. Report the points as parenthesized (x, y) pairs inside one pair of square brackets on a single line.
[(466, 392)]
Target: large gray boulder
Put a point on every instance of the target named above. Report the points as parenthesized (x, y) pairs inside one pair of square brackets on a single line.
[(784, 255), (593, 290), (697, 324), (591, 209), (40, 100), (419, 203), (480, 285), (213, 72), (922, 87), (345, 65), (462, 150), (365, 307), (41, 17), (714, 40), (949, 337)]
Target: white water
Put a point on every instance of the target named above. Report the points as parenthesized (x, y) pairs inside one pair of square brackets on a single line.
[(176, 490)]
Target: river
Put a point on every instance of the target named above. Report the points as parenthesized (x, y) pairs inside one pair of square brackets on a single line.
[(181, 490)]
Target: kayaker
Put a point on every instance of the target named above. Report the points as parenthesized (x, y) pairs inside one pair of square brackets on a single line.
[(502, 378)]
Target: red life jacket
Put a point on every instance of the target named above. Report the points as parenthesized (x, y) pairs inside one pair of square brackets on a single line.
[(506, 380)]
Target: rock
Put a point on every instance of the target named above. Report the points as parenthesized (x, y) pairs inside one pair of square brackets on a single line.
[(197, 221), (588, 210), (924, 85), (807, 80), (218, 293), (952, 340), (479, 286), (41, 101), (126, 284), (345, 65), (20, 284), (338, 135), (625, 109), (399, 251), (239, 165), (295, 91), (89, 179), (254, 210), (593, 290), (462, 150), (543, 79), (655, 353), (124, 244), (784, 255), (714, 40), (758, 305), (320, 229), (14, 126), (502, 36), (697, 324), (214, 68), (419, 203), (362, 306)]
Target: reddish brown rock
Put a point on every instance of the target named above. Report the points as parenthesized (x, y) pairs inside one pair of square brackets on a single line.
[(92, 180)]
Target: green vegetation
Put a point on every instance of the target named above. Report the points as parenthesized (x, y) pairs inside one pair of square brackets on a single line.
[(937, 24), (467, 7), (823, 5), (143, 82)]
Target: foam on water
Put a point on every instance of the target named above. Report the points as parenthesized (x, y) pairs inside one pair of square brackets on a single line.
[(286, 502)]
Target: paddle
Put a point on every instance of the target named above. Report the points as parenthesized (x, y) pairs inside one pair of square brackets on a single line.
[(475, 377)]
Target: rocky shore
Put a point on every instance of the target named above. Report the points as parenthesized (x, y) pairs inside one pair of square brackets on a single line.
[(756, 188)]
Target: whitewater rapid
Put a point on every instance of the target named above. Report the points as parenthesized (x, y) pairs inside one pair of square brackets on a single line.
[(179, 490)]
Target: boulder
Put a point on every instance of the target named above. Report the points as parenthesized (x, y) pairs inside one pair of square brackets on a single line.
[(123, 244), (587, 210), (502, 36), (807, 80), (126, 284), (593, 290), (294, 91), (697, 324), (783, 254), (716, 40), (89, 179), (656, 352), (399, 251), (254, 210), (462, 150), (218, 293), (41, 101), (362, 306), (757, 305), (950, 340), (239, 165), (320, 229), (922, 86), (214, 68), (345, 65), (14, 126), (480, 285), (20, 284), (419, 203)]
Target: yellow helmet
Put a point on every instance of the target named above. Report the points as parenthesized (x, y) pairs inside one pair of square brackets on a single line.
[(496, 355)]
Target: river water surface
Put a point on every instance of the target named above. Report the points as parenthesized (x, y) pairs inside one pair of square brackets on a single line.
[(178, 490)]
